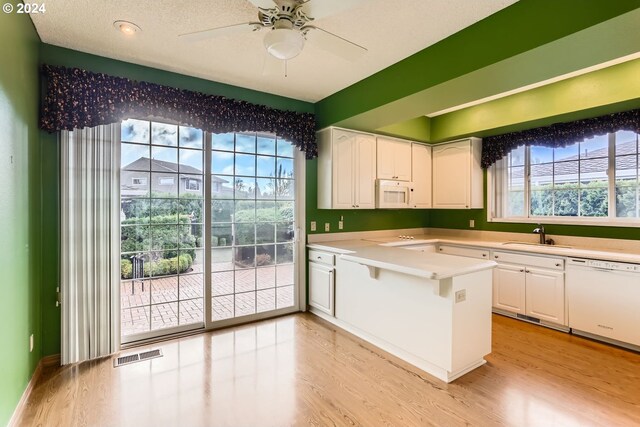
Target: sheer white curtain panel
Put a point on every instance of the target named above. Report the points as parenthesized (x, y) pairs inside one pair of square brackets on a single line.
[(90, 242)]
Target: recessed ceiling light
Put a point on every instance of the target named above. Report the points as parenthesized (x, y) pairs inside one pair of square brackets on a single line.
[(127, 28)]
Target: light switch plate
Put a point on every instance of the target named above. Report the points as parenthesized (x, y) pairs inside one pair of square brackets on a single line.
[(313, 226), (340, 225), (327, 226), (472, 223)]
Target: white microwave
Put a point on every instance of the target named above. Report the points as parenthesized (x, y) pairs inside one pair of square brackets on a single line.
[(393, 194)]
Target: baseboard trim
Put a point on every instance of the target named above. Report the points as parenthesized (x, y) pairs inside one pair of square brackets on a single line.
[(45, 362)]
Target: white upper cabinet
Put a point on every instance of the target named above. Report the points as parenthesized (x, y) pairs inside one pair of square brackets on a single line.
[(346, 169), (457, 175), (421, 176), (394, 159)]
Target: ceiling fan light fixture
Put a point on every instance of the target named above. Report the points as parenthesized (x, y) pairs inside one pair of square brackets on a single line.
[(284, 43)]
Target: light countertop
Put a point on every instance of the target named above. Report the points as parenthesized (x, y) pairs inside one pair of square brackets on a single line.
[(350, 246)]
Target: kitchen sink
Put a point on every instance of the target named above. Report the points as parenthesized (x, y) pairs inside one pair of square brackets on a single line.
[(537, 244)]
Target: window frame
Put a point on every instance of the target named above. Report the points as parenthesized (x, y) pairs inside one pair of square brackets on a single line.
[(494, 194)]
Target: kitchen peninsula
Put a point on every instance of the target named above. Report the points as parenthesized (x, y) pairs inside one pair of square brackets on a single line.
[(431, 310)]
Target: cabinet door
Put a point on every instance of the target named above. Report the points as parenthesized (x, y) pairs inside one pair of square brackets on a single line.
[(365, 172), (509, 288), (402, 160), (545, 295), (421, 176), (321, 287), (344, 149), (452, 175), (385, 162)]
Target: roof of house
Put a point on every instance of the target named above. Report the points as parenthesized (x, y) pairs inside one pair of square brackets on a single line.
[(161, 165)]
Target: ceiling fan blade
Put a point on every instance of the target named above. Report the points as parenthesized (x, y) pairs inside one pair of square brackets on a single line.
[(333, 43), (245, 27), (320, 8)]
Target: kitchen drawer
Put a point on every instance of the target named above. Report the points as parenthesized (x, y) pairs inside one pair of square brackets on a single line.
[(464, 251), (552, 263), (321, 257)]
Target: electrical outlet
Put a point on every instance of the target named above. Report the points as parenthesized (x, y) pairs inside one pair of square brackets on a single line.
[(461, 295), (30, 343), (472, 223), (313, 226), (327, 226), (340, 225)]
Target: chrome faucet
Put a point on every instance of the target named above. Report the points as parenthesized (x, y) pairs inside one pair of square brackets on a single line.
[(540, 230)]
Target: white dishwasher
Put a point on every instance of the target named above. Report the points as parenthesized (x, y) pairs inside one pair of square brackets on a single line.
[(604, 300)]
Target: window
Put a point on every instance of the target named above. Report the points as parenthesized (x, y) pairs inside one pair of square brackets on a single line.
[(166, 181), (139, 181), (192, 185), (595, 180)]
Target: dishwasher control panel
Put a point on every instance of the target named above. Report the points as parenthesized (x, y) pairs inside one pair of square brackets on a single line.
[(606, 265)]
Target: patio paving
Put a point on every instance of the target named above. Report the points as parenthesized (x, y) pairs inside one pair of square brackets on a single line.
[(178, 300)]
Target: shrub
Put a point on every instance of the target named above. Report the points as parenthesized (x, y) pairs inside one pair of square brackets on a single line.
[(126, 269)]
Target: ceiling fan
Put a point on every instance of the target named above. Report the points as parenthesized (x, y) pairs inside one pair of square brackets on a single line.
[(287, 23)]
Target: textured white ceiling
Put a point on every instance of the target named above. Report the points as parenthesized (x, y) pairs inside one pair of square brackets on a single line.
[(391, 30)]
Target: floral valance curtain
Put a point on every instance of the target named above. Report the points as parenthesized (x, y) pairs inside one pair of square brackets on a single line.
[(558, 135), (75, 99)]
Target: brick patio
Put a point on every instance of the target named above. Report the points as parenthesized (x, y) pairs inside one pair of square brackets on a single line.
[(178, 300)]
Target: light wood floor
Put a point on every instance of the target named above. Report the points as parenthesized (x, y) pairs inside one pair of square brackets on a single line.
[(300, 370)]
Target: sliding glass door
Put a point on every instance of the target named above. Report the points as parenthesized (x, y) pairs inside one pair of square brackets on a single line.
[(253, 223), (207, 228)]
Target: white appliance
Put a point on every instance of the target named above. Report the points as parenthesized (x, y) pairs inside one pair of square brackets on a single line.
[(604, 300), (391, 194)]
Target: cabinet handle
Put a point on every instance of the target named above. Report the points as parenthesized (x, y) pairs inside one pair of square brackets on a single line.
[(558, 264), (527, 271), (319, 257), (522, 270), (495, 256), (484, 255), (357, 206)]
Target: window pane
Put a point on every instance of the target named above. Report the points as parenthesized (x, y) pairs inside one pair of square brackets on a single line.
[(221, 210), (191, 161), (245, 143), (245, 188), (285, 168), (265, 188), (541, 154), (245, 165), (541, 175), (285, 211), (265, 255), (164, 237), (542, 203), (193, 208), (627, 167), (134, 239), (135, 131), (134, 211), (221, 163), (221, 235), (566, 202), (134, 157), (266, 146), (164, 134), (516, 157), (594, 147), (222, 141), (626, 142), (284, 232), (221, 187), (594, 201), (570, 152), (626, 202), (190, 137), (164, 185), (265, 233), (221, 259), (284, 188), (245, 211), (284, 253), (191, 186), (516, 203), (285, 148), (164, 159), (266, 166), (566, 174), (134, 184), (245, 234), (164, 211), (244, 257)]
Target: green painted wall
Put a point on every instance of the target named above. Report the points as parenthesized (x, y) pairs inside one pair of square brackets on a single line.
[(608, 89), (519, 28), (19, 216), (54, 55)]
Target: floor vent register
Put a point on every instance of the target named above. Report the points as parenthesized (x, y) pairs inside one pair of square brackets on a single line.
[(138, 357)]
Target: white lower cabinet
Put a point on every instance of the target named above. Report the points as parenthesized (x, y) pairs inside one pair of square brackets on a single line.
[(530, 285), (322, 281)]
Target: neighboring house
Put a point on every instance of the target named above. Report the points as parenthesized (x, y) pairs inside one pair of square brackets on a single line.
[(168, 177)]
